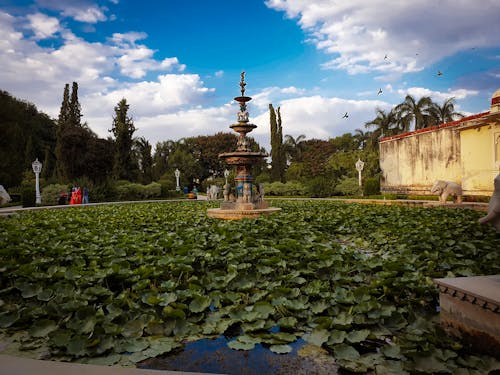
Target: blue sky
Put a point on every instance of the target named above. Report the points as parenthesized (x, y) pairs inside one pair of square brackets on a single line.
[(178, 63)]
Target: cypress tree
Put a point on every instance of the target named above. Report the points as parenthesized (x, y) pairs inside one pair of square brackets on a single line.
[(62, 125), (277, 154), (75, 111), (123, 130)]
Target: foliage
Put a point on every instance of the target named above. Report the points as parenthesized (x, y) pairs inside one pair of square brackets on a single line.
[(124, 166), (111, 283), (320, 187), (26, 134), (133, 191), (142, 151), (28, 196), (290, 188), (51, 193), (278, 157), (347, 186), (371, 186)]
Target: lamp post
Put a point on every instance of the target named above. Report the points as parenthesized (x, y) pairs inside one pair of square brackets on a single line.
[(359, 167), (226, 174), (177, 175), (37, 168)]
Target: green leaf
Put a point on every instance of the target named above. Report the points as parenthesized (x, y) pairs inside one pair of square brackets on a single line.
[(8, 318), (280, 349), (336, 337), (108, 360), (345, 352), (134, 345), (45, 295), (133, 328), (287, 322), (77, 346), (199, 304), (357, 336), (390, 368), (238, 345), (392, 351), (41, 328), (317, 337)]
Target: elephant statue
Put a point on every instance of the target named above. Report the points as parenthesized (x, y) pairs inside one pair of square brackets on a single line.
[(446, 188), (493, 216), (4, 196)]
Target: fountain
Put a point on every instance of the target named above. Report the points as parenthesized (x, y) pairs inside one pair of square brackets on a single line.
[(243, 200)]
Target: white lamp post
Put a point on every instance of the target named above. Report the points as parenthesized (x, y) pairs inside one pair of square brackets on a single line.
[(177, 175), (37, 168), (359, 167), (226, 174)]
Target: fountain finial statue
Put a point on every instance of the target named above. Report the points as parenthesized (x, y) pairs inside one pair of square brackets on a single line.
[(242, 83)]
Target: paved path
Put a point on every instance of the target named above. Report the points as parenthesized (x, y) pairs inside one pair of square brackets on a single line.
[(10, 365)]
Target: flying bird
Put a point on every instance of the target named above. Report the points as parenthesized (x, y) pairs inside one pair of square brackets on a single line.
[(440, 73), (345, 115), (379, 91), (385, 57)]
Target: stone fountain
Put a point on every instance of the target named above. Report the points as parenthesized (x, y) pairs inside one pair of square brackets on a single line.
[(243, 199)]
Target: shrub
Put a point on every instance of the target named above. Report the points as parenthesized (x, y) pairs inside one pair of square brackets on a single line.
[(51, 194), (371, 186), (134, 191), (347, 186), (320, 187), (28, 196), (281, 189)]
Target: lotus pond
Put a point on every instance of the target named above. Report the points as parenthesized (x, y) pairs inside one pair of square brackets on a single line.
[(127, 283)]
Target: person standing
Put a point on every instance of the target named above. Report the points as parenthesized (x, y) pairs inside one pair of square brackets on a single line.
[(85, 195)]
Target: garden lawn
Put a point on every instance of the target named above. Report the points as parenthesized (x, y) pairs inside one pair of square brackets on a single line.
[(123, 283)]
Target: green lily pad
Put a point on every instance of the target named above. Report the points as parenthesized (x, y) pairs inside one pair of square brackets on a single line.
[(41, 328), (238, 345), (199, 304), (280, 349), (8, 318), (317, 337), (346, 352)]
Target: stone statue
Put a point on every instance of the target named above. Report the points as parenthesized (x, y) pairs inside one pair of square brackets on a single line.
[(446, 188), (227, 192), (247, 193), (493, 216), (4, 196)]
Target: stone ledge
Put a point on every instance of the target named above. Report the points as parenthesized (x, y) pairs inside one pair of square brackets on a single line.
[(10, 365)]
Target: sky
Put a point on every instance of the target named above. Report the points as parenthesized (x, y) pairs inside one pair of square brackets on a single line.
[(178, 63)]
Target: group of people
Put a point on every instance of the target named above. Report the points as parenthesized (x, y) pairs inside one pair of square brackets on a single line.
[(77, 195)]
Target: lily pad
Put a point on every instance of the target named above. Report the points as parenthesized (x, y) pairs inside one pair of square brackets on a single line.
[(41, 328), (280, 349)]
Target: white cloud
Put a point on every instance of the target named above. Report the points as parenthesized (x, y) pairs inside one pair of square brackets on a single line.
[(92, 14), (219, 73), (360, 33), (318, 117), (437, 96), (42, 25)]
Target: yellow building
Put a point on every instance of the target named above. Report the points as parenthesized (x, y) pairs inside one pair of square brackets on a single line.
[(466, 151)]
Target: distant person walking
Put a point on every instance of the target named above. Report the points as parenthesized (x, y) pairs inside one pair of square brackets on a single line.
[(85, 195)]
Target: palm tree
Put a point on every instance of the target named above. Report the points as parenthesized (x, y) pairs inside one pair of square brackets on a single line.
[(384, 123), (445, 113), (294, 147), (144, 158), (413, 111), (361, 137)]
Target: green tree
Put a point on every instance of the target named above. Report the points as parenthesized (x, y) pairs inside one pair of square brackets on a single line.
[(293, 148), (75, 111), (414, 112), (278, 158), (441, 114), (123, 129), (384, 124), (144, 159), (62, 124)]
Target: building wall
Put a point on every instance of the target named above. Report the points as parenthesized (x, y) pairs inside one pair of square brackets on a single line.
[(480, 158), (412, 163)]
